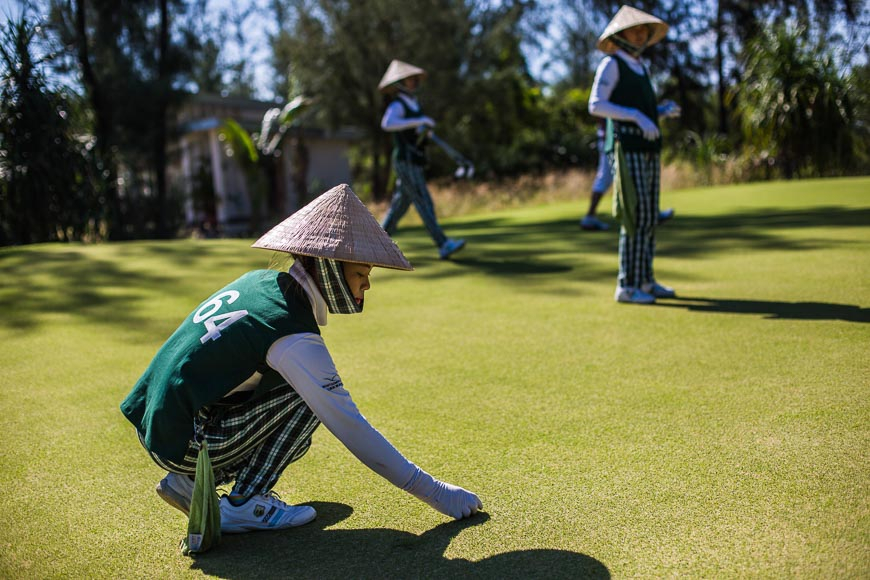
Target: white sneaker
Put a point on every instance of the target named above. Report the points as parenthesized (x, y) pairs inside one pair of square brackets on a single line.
[(176, 490), (658, 290), (633, 295), (262, 512)]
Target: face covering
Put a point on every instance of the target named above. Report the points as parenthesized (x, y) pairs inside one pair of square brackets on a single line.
[(628, 47), (402, 88), (338, 296)]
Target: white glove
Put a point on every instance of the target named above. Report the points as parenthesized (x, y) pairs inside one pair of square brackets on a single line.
[(669, 109), (448, 499), (426, 122), (649, 129)]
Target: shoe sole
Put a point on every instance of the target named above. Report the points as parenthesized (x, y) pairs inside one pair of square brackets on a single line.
[(173, 498), (629, 301), (663, 295), (243, 529)]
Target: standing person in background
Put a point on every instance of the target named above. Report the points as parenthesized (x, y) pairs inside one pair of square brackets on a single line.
[(623, 94), (603, 181), (405, 120)]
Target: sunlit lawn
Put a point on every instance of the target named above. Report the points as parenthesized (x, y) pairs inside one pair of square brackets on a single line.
[(722, 434)]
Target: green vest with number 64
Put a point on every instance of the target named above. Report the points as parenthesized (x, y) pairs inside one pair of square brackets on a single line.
[(219, 346)]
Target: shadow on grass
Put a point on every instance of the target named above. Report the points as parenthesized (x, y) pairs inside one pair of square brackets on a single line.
[(757, 229), (107, 290), (504, 247), (506, 267), (39, 283), (771, 309), (686, 235), (89, 285), (314, 551), (500, 247)]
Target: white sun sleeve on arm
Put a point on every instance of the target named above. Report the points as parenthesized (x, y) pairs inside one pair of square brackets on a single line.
[(304, 361), (606, 78), (605, 81), (394, 119)]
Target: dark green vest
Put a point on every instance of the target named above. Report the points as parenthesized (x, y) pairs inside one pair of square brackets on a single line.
[(218, 346), (635, 91), (407, 144)]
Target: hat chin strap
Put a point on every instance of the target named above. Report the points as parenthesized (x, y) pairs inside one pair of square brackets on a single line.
[(628, 47)]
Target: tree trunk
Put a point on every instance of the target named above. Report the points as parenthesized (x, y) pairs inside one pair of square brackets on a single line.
[(720, 69), (301, 163), (682, 90), (164, 86), (103, 114)]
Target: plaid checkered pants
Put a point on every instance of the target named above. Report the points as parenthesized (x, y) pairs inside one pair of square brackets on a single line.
[(636, 252), (252, 442), (411, 188)]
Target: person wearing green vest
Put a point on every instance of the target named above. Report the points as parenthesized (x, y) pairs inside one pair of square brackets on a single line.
[(404, 119), (602, 182), (248, 372), (623, 94)]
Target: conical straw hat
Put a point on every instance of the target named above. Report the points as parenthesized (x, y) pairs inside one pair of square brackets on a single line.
[(397, 71), (626, 18), (337, 226)]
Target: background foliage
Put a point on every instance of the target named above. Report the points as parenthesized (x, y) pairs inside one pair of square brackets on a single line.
[(773, 88)]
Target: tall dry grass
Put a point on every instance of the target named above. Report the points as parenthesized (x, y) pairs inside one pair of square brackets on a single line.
[(455, 197)]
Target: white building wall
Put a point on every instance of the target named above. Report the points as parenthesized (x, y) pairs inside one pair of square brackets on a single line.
[(328, 164)]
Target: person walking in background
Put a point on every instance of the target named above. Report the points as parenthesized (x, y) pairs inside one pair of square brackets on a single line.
[(405, 120), (249, 373), (623, 94)]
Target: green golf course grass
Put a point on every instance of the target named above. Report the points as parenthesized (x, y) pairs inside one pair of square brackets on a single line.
[(721, 434)]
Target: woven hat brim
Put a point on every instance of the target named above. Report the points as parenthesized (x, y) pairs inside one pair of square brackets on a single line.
[(397, 71), (337, 226), (629, 17)]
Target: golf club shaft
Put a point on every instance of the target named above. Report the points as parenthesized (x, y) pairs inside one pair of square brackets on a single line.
[(453, 153)]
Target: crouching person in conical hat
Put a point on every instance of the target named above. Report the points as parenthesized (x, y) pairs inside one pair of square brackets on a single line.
[(405, 120), (248, 372), (623, 94)]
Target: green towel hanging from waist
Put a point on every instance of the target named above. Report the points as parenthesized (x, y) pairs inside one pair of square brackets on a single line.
[(624, 193), (204, 524)]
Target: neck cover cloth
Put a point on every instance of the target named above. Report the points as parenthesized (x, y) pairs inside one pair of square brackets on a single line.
[(339, 298), (628, 47)]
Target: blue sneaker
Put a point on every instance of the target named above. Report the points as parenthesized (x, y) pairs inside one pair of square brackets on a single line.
[(665, 215), (450, 247), (592, 223)]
